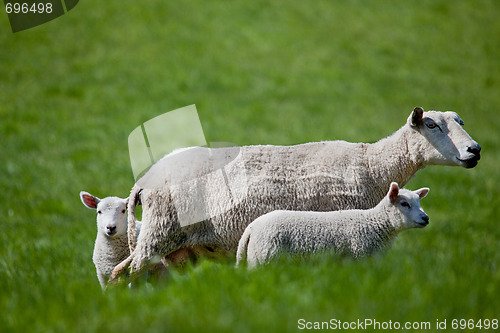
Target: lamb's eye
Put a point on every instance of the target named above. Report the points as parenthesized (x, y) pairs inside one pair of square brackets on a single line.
[(99, 212), (405, 204), (123, 211)]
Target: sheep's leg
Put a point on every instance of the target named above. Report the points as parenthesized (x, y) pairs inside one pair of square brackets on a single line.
[(120, 270), (142, 259), (180, 257)]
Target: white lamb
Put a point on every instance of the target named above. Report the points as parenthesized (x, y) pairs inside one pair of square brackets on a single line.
[(111, 244), (354, 233), (318, 176)]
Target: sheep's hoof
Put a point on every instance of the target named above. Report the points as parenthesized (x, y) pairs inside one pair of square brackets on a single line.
[(120, 280), (118, 276), (117, 281)]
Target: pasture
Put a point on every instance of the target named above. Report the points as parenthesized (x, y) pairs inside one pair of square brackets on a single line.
[(284, 72)]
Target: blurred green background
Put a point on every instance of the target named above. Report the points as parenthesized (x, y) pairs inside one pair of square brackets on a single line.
[(284, 72)]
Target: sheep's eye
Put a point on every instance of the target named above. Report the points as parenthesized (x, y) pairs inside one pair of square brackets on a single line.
[(99, 212), (123, 211), (405, 204), (433, 125)]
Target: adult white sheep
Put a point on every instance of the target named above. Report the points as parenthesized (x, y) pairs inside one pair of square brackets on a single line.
[(354, 233), (319, 176)]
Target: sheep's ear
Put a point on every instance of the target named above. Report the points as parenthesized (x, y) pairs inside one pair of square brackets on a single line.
[(393, 191), (415, 118), (89, 200), (422, 193)]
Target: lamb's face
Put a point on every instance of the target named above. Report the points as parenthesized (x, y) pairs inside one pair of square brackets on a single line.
[(408, 203), (112, 217), (449, 143)]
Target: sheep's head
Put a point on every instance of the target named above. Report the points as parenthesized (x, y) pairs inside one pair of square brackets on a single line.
[(448, 142), (408, 204), (111, 213)]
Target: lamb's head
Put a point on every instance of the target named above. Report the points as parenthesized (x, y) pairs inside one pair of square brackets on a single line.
[(407, 205), (111, 214), (446, 142)]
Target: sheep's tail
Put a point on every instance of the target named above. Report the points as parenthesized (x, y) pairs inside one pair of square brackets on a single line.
[(242, 246), (133, 200)]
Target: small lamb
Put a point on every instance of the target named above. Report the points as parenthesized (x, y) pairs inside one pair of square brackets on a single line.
[(111, 244), (355, 233)]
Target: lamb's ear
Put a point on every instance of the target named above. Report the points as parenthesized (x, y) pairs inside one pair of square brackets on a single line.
[(415, 118), (393, 191), (422, 193), (89, 200)]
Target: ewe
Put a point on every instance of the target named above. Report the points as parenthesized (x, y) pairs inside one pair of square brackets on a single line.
[(355, 233), (318, 176)]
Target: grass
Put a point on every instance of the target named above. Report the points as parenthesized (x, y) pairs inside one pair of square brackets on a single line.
[(283, 72)]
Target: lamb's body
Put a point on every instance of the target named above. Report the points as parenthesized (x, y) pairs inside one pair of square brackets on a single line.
[(352, 233), (348, 233), (109, 252), (319, 176)]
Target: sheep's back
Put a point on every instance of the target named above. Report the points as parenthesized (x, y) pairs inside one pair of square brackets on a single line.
[(225, 189)]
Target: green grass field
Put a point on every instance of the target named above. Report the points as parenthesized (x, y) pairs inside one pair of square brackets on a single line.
[(284, 72)]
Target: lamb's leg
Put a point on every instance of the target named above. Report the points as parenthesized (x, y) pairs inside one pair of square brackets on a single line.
[(102, 279)]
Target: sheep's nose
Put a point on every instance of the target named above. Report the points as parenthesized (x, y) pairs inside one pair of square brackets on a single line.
[(475, 150), (111, 229), (426, 219)]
